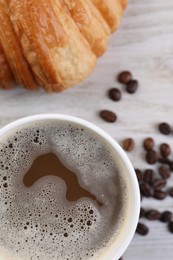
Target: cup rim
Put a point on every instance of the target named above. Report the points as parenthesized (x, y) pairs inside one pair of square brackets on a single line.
[(112, 253)]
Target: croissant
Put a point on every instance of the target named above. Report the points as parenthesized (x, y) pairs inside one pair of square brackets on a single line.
[(53, 43)]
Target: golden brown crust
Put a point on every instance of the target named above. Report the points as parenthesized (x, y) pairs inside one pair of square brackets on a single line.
[(111, 10), (13, 50), (124, 3), (6, 77), (55, 43), (63, 56), (91, 24)]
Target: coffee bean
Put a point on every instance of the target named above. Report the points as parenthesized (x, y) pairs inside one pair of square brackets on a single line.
[(146, 190), (158, 184), (148, 175), (151, 156), (165, 150), (142, 213), (170, 226), (128, 144), (108, 116), (139, 175), (120, 258), (164, 160), (148, 144), (171, 165), (115, 94), (124, 77), (159, 194), (171, 192), (132, 86), (153, 214), (164, 172), (165, 128), (142, 229), (166, 216)]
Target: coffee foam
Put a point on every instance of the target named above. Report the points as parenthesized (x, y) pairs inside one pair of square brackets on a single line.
[(38, 222)]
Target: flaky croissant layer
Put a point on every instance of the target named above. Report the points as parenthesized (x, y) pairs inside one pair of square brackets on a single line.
[(53, 43)]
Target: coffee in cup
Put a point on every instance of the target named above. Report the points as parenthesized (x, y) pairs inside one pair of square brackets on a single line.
[(63, 192)]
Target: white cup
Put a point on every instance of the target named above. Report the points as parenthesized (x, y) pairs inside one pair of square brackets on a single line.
[(118, 246)]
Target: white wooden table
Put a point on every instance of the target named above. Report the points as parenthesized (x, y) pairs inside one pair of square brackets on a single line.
[(144, 45)]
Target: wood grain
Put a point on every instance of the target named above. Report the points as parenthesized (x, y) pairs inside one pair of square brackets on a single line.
[(144, 45)]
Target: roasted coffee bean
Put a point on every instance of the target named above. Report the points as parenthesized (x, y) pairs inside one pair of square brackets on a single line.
[(166, 216), (120, 258), (139, 175), (115, 94), (165, 128), (128, 144), (146, 190), (165, 150), (171, 165), (124, 77), (142, 229), (159, 194), (170, 226), (108, 116), (148, 175), (158, 184), (142, 213), (132, 86), (164, 160), (164, 172), (153, 214), (151, 156), (171, 192), (148, 144)]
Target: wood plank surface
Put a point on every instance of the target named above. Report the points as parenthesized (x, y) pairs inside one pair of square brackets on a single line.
[(144, 45)]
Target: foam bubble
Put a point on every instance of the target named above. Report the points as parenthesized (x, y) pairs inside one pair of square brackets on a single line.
[(38, 222)]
